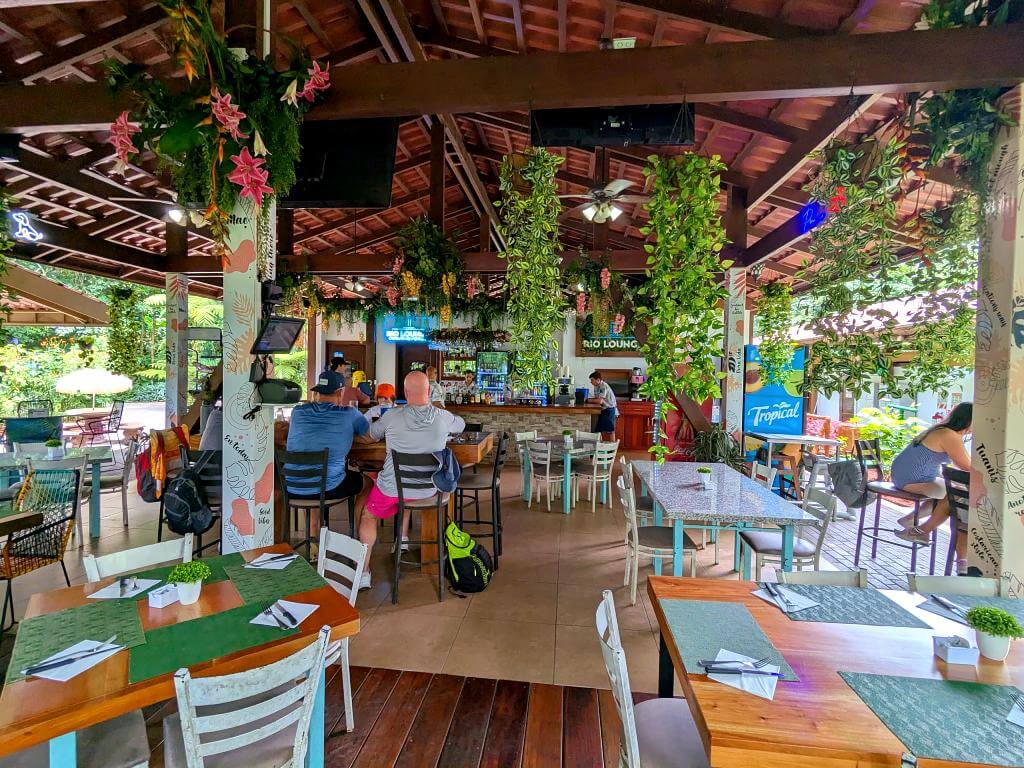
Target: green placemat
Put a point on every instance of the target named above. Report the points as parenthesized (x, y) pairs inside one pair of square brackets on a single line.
[(702, 628), (1012, 605), (255, 584), (944, 719), (217, 565), (167, 649), (43, 636), (852, 605)]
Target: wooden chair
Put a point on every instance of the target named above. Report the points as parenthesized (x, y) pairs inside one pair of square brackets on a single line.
[(763, 474), (99, 567), (52, 493), (307, 471), (858, 578), (581, 436), (35, 407), (541, 457), (958, 494), (597, 469), (81, 467), (974, 586), (655, 733), (654, 541), (766, 546), (414, 472), (250, 719), (869, 456), (117, 479), (340, 560), (473, 484)]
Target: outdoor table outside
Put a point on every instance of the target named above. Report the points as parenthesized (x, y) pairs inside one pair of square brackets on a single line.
[(734, 501), (35, 710), (97, 456)]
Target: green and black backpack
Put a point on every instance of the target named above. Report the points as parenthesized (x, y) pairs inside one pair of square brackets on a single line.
[(468, 565)]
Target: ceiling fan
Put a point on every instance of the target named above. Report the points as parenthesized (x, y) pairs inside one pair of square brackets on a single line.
[(600, 207)]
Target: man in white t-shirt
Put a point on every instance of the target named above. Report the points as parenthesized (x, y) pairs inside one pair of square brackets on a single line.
[(604, 397)]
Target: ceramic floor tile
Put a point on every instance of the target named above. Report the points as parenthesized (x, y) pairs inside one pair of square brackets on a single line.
[(408, 641), (578, 659), (577, 605), (504, 599), (527, 565), (505, 650), (418, 594)]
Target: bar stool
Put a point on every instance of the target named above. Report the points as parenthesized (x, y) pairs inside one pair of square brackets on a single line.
[(958, 494), (473, 484), (869, 457)]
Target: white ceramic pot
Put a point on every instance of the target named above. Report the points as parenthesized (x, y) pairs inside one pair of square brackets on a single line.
[(189, 593), (54, 452), (705, 479), (992, 647)]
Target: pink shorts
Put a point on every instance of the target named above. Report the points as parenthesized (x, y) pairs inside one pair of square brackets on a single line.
[(381, 505)]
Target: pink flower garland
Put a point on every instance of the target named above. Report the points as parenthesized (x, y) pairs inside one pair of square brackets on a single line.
[(472, 287), (606, 279), (392, 294), (319, 80), (618, 324), (250, 176), (227, 114), (396, 267), (121, 132), (581, 303)]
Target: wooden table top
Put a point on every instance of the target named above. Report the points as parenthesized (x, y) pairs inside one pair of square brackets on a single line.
[(472, 449), (818, 722), (34, 710)]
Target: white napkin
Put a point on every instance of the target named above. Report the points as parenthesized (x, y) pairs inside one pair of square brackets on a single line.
[(266, 562), (301, 612), (1016, 716), (759, 685), (796, 602), (67, 671), (113, 591), (940, 610)]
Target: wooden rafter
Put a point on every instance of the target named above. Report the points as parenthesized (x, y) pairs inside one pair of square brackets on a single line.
[(719, 16)]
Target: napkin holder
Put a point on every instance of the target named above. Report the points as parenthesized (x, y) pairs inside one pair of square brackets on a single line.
[(955, 650), (164, 596)]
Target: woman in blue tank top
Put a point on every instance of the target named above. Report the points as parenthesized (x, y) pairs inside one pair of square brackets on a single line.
[(918, 469)]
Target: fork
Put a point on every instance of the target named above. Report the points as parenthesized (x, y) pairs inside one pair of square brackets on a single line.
[(275, 617), (758, 664), (1018, 699)]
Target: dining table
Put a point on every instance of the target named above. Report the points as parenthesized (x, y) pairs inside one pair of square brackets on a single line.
[(95, 455), (211, 637), (820, 719), (568, 450), (732, 501)]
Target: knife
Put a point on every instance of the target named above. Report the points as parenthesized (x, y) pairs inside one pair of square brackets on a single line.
[(740, 671), (284, 611), (64, 661), (123, 585), (949, 605), (270, 560)]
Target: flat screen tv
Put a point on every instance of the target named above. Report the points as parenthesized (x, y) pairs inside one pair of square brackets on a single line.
[(278, 335), (345, 164)]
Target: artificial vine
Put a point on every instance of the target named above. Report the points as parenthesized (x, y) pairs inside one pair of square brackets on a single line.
[(124, 344), (774, 314), (428, 269), (681, 298), (529, 208)]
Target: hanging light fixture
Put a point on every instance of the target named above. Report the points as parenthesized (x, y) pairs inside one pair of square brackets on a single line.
[(177, 214), (589, 211)]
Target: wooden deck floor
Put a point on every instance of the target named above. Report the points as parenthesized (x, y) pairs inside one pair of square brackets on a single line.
[(423, 720)]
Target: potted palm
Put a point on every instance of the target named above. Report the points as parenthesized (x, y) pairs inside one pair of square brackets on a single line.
[(995, 628), (188, 578), (704, 473), (54, 448)]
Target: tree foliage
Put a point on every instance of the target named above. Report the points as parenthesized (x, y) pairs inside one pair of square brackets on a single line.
[(774, 315)]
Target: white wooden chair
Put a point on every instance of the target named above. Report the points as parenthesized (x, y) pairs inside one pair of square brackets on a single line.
[(547, 471), (857, 578), (341, 560), (597, 469), (80, 464), (254, 719), (102, 566), (587, 437), (763, 474), (521, 438), (644, 504), (767, 545), (656, 733), (953, 585), (654, 541)]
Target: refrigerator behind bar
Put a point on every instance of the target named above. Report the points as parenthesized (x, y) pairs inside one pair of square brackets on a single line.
[(492, 374)]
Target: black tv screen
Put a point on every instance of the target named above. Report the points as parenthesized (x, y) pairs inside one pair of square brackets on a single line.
[(590, 127), (278, 335), (345, 164)]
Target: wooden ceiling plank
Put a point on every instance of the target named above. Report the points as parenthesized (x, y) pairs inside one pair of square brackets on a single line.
[(719, 16), (478, 22), (861, 12), (563, 24), (517, 22), (313, 24)]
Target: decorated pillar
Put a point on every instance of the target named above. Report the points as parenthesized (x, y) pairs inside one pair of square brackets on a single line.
[(996, 535), (735, 336), (176, 400), (248, 477)]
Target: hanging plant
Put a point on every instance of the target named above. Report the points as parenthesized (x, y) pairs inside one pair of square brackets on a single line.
[(6, 247), (681, 299), (775, 318), (600, 294), (229, 132), (431, 267), (529, 208), (124, 344)]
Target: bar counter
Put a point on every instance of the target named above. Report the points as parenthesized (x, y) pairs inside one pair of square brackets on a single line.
[(546, 420)]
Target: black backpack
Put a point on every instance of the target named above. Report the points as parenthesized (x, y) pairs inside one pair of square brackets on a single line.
[(186, 509), (468, 565)]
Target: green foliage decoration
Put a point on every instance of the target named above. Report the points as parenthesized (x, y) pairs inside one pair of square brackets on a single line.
[(681, 298), (124, 343), (189, 573), (529, 208), (893, 431), (774, 315), (430, 267), (606, 293), (994, 621), (717, 446)]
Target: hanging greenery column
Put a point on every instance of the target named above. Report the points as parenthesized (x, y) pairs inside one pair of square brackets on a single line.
[(124, 345), (774, 318), (529, 210), (681, 299)]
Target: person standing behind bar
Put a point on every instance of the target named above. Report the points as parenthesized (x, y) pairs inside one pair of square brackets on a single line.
[(604, 397), (436, 390)]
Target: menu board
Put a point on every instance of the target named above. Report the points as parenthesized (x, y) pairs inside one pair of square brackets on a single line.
[(777, 408)]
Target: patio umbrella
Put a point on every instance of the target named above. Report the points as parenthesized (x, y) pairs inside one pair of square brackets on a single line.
[(92, 381)]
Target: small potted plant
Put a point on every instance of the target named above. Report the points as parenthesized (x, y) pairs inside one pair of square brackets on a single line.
[(995, 628), (704, 473), (567, 437), (188, 578), (54, 448)]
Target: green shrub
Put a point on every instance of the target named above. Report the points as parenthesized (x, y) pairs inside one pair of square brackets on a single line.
[(894, 432), (994, 621), (187, 573)]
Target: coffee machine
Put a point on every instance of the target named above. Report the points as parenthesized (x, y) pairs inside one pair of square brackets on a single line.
[(563, 391), (636, 378)]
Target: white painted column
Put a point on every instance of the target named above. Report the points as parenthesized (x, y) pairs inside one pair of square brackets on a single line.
[(176, 340), (996, 537), (248, 481), (735, 337)]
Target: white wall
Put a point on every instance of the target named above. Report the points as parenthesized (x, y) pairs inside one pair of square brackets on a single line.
[(580, 367)]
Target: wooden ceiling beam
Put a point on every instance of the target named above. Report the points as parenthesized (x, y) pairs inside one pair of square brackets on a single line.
[(771, 69)]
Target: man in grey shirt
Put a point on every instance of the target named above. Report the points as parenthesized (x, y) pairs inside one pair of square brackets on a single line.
[(418, 427), (604, 397)]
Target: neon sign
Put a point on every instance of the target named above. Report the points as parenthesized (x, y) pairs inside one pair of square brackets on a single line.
[(22, 228), (406, 335), (810, 216)]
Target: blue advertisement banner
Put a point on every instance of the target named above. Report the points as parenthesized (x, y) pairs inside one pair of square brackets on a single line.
[(777, 408)]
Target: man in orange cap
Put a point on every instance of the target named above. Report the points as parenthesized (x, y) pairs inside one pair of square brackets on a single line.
[(385, 400)]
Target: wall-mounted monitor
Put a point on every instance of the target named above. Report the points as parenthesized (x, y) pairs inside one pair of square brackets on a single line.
[(278, 335)]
